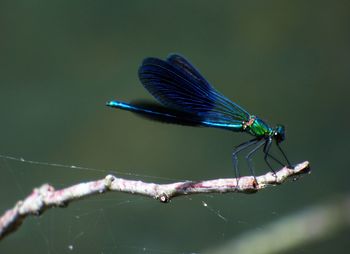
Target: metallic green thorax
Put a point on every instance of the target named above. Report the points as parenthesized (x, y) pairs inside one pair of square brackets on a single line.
[(259, 128)]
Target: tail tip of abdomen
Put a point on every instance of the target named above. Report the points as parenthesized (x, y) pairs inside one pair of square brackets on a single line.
[(117, 104), (114, 104)]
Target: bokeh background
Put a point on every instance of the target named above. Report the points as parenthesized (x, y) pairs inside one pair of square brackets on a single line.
[(285, 61)]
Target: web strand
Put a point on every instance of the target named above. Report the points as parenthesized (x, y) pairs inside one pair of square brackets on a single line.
[(75, 167)]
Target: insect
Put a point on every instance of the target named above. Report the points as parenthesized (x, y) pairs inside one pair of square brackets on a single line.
[(187, 98)]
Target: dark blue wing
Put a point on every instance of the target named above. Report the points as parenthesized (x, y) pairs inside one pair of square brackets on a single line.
[(178, 85), (184, 66)]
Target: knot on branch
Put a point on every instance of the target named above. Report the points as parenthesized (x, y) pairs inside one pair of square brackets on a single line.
[(164, 198), (109, 179)]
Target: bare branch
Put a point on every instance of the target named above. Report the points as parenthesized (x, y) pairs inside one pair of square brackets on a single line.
[(46, 196)]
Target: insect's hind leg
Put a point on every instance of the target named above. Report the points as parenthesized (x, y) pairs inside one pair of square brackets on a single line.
[(237, 150), (251, 153)]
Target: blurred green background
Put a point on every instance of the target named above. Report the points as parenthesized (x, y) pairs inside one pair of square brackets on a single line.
[(285, 61)]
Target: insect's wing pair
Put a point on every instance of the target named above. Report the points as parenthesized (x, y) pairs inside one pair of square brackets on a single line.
[(177, 85)]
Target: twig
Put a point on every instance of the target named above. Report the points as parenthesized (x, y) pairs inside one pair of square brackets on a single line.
[(46, 196)]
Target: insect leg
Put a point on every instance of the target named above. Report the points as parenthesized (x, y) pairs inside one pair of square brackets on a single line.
[(267, 147), (239, 149), (284, 155), (251, 153), (275, 159), (268, 155)]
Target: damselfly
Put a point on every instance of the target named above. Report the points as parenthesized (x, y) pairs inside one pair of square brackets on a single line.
[(187, 98)]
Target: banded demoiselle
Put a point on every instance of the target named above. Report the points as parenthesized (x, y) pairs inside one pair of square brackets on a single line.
[(187, 98)]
